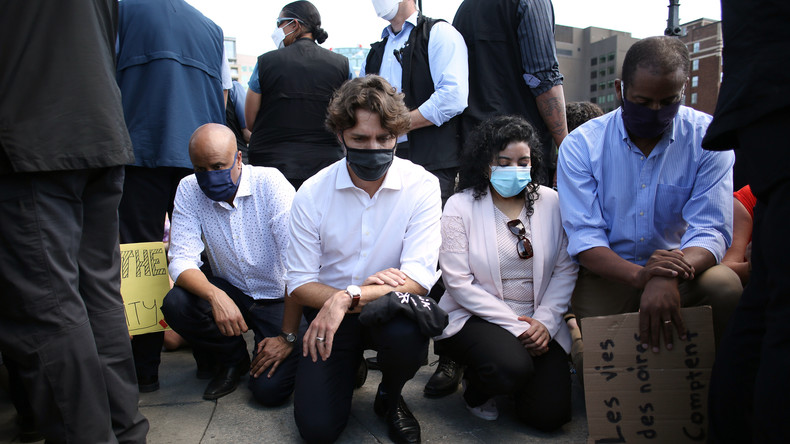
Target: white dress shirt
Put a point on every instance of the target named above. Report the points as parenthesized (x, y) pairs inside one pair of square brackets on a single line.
[(245, 242), (341, 236), (447, 55)]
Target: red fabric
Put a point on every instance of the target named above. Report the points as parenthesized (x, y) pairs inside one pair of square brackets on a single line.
[(745, 196)]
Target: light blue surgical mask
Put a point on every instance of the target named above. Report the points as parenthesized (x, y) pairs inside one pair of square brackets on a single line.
[(510, 180)]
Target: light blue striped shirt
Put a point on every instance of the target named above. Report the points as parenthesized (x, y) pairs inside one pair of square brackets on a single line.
[(448, 59), (612, 196)]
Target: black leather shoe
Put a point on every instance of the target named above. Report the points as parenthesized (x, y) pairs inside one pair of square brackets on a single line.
[(445, 380), (362, 374), (402, 426), (148, 384), (226, 380)]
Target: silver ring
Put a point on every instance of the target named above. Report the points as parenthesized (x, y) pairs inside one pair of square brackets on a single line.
[(319, 339), (667, 322)]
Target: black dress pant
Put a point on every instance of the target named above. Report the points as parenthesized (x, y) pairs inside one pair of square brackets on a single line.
[(62, 318), (322, 400), (498, 364), (191, 316), (749, 384), (148, 195)]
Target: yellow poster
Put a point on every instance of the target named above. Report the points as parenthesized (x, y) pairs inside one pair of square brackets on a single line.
[(144, 284)]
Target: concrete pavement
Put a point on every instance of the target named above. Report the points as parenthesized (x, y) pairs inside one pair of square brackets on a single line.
[(178, 414)]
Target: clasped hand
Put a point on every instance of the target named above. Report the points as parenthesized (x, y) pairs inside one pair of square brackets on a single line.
[(536, 338)]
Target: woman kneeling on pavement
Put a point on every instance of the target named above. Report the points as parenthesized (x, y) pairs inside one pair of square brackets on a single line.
[(509, 279)]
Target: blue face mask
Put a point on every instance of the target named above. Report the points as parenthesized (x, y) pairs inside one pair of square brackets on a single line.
[(510, 180), (218, 184)]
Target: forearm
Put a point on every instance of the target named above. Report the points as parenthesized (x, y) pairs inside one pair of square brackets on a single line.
[(606, 263), (699, 258), (251, 107), (418, 120), (195, 282), (312, 294), (292, 315), (551, 105)]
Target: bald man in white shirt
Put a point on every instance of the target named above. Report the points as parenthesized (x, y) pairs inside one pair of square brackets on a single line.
[(238, 214)]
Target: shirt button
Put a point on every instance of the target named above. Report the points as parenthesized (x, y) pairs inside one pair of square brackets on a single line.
[(641, 157), (641, 213), (641, 239), (643, 185), (367, 233), (364, 255)]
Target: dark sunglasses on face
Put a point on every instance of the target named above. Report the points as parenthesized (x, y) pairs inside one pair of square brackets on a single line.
[(523, 244), (280, 21)]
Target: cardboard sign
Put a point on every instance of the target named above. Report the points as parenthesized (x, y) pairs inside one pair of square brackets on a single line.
[(144, 284), (635, 395)]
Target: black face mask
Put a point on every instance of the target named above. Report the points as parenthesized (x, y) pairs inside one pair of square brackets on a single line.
[(369, 165)]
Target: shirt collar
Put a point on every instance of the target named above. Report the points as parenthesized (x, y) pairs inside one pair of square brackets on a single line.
[(412, 20), (393, 180)]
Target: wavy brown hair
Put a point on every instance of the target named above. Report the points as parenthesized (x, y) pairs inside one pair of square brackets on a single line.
[(371, 93)]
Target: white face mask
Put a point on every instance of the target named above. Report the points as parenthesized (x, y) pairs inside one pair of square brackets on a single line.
[(278, 36), (386, 9)]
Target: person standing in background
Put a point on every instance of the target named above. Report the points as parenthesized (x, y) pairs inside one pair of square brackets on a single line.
[(63, 144), (513, 68), (289, 91), (173, 74)]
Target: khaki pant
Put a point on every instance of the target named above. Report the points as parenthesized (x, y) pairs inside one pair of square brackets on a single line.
[(718, 287)]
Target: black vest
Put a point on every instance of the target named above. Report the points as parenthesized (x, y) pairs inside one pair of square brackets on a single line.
[(496, 82), (432, 147), (297, 83)]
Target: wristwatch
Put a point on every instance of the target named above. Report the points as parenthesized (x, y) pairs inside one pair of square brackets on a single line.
[(354, 293), (289, 337)]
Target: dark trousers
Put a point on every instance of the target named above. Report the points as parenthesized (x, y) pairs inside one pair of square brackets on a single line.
[(322, 401), (62, 318), (498, 364), (749, 383), (148, 195), (192, 318)]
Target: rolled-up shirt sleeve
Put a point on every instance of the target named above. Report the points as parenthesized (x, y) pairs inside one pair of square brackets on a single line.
[(536, 41), (186, 242), (450, 72), (582, 217), (709, 210), (423, 236), (303, 255)]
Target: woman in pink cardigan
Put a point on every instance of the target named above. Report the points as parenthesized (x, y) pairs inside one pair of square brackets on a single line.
[(509, 279)]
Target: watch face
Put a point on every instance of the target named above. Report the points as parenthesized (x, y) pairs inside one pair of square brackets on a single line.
[(289, 337), (354, 291)]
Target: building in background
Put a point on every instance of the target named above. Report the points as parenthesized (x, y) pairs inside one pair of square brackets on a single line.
[(590, 59), (230, 53), (356, 56), (704, 40)]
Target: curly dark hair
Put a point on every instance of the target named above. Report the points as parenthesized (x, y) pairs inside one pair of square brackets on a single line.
[(486, 141), (577, 113), (372, 93)]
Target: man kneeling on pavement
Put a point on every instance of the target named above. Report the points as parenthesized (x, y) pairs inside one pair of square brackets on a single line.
[(361, 228), (239, 215)]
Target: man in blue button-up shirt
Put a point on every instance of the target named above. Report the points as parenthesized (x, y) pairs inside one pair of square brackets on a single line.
[(648, 213)]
